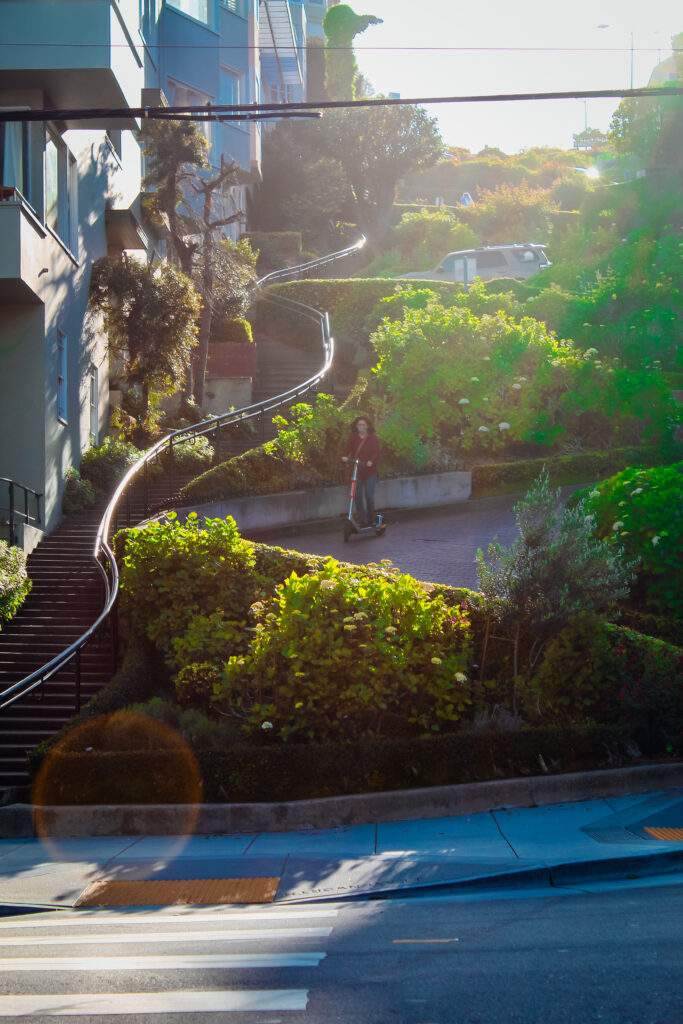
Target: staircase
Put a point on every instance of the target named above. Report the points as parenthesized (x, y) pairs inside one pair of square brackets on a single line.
[(280, 367), (65, 599)]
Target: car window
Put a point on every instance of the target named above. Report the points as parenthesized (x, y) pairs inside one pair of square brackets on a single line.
[(490, 260), (526, 255)]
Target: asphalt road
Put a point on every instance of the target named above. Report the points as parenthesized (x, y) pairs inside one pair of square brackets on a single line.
[(567, 958), (437, 545)]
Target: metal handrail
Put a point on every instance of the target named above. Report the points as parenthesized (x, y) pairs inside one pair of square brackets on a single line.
[(15, 513), (103, 553)]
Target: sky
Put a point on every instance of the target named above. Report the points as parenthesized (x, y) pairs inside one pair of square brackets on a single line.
[(451, 48)]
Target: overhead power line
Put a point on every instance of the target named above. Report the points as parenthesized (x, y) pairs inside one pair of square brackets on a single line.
[(268, 111)]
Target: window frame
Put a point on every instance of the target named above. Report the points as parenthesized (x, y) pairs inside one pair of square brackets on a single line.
[(62, 377)]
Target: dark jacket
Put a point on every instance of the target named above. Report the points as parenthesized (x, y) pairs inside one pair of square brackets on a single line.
[(366, 450)]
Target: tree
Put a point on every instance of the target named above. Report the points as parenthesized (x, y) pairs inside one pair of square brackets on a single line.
[(180, 177), (591, 138), (150, 313), (175, 151), (340, 25), (376, 147), (236, 268)]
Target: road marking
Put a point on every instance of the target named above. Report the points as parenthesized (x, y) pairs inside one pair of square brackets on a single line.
[(88, 918), (161, 963), (139, 1003), (121, 938)]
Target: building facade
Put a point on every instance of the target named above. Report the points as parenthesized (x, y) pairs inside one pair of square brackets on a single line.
[(70, 190)]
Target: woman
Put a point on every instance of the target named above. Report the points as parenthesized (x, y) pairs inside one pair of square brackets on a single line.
[(363, 445)]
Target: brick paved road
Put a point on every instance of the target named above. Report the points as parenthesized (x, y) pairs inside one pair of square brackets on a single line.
[(435, 545)]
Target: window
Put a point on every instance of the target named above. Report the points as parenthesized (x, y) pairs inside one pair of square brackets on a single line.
[(197, 9), (236, 6), (94, 405), (490, 260), (185, 96), (14, 156), (62, 365), (61, 191), (51, 184), (231, 90)]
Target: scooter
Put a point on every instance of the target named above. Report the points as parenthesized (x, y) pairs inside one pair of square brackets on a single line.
[(351, 524)]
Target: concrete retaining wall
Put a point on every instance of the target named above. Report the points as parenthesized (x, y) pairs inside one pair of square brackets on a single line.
[(274, 510)]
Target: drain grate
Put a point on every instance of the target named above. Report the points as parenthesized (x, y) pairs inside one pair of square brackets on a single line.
[(675, 834), (166, 892)]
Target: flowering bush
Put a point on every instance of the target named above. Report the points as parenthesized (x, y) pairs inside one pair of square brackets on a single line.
[(640, 511), (349, 651), (443, 373), (14, 581)]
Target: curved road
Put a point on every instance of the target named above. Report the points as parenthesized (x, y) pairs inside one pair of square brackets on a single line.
[(435, 545)]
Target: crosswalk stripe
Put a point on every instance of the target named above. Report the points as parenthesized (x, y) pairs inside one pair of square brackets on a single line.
[(161, 963), (139, 1003), (230, 935), (141, 918)]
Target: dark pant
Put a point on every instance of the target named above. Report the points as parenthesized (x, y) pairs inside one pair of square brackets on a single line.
[(365, 501)]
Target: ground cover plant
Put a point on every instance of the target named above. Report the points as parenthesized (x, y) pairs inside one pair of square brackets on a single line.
[(14, 581)]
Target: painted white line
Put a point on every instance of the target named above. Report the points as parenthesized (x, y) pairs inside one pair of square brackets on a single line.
[(139, 1003), (160, 963), (126, 938), (54, 919)]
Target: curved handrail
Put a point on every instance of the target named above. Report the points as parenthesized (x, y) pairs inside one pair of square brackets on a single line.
[(102, 553)]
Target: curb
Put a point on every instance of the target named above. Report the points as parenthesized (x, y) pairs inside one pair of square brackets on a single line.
[(25, 821), (568, 875)]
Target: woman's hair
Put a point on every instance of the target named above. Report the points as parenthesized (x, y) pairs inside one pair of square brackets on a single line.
[(366, 419)]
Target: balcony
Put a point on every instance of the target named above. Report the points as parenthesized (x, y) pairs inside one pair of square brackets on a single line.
[(31, 256), (79, 54)]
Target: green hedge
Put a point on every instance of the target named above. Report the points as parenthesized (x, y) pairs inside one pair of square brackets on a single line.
[(273, 247), (584, 467), (296, 772), (348, 301), (232, 331)]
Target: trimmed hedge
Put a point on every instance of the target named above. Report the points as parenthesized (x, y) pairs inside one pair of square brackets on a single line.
[(298, 772), (584, 467), (232, 331)]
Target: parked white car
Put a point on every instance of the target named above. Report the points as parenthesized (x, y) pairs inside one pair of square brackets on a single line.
[(486, 263)]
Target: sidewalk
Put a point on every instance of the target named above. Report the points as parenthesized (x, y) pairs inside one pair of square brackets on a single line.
[(553, 844)]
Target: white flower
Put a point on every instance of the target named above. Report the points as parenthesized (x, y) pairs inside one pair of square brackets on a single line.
[(328, 585), (266, 725), (464, 401), (555, 362), (484, 430), (521, 378), (618, 525), (487, 359), (460, 677), (638, 490), (486, 399), (475, 380), (656, 539), (517, 387), (436, 661), (590, 352), (503, 426)]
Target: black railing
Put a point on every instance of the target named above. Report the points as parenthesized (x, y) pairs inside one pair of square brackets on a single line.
[(103, 554), (18, 499)]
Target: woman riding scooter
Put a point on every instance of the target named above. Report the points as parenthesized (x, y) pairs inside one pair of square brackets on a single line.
[(363, 445)]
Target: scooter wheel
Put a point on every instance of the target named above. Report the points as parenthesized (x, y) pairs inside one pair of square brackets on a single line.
[(348, 530)]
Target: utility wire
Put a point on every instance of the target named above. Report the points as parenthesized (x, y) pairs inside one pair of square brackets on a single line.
[(260, 111)]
